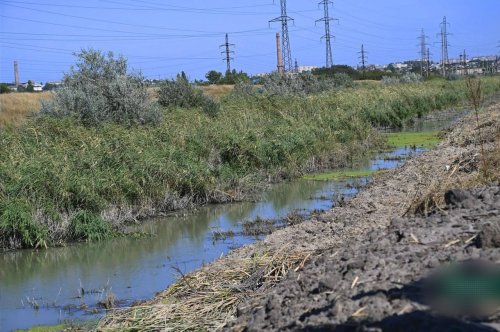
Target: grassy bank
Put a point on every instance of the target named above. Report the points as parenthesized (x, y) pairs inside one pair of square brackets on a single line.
[(61, 181)]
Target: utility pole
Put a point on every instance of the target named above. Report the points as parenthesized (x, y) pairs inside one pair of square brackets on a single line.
[(444, 46), (363, 59), (423, 49), (16, 74), (285, 41), (228, 53), (328, 37), (281, 69)]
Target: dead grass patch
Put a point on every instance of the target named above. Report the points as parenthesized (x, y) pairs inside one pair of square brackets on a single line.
[(15, 107), (208, 297), (217, 90), (478, 166)]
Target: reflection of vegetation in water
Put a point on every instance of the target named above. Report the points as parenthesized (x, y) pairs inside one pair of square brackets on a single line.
[(101, 257), (422, 139), (290, 194)]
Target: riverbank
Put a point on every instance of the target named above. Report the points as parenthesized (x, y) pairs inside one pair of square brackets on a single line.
[(63, 182), (312, 275)]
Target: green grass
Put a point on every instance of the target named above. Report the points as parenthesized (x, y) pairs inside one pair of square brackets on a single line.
[(418, 139), (339, 175), (56, 172)]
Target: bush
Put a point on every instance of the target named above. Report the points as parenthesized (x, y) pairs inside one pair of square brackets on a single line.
[(290, 84), (210, 106), (4, 88), (17, 225), (243, 89), (100, 90), (388, 80), (87, 226), (180, 93), (343, 80), (411, 78)]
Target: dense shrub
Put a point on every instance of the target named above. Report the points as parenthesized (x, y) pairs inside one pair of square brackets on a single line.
[(180, 93), (87, 226), (342, 80), (4, 88), (411, 78), (243, 89), (292, 84), (210, 106), (17, 225), (406, 78), (389, 80), (289, 84), (99, 89)]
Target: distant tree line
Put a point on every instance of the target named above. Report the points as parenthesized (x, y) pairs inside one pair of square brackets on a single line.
[(231, 77), (355, 74)]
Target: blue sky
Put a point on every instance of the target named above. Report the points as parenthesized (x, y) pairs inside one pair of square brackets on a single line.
[(161, 38)]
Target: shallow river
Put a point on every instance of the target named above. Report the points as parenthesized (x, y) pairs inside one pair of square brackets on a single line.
[(50, 286)]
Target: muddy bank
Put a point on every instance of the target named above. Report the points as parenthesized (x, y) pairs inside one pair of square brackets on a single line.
[(326, 272), (375, 281)]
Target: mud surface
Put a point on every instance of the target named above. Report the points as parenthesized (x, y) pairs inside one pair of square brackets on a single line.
[(374, 282)]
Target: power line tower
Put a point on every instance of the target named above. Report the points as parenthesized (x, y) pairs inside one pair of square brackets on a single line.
[(296, 69), (464, 63), (362, 57), (328, 37), (228, 53), (285, 40), (423, 52), (444, 46)]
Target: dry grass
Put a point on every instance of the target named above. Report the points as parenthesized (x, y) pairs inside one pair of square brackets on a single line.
[(15, 107), (217, 90), (206, 299), (477, 167)]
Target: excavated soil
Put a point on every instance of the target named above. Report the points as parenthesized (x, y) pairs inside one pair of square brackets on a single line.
[(374, 281), (360, 266)]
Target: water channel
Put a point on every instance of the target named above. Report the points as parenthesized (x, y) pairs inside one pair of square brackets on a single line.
[(46, 287)]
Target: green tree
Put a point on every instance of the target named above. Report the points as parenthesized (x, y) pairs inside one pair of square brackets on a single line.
[(30, 87), (234, 77), (4, 88), (213, 77)]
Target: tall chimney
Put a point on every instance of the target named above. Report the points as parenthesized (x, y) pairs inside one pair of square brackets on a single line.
[(16, 74), (281, 68)]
